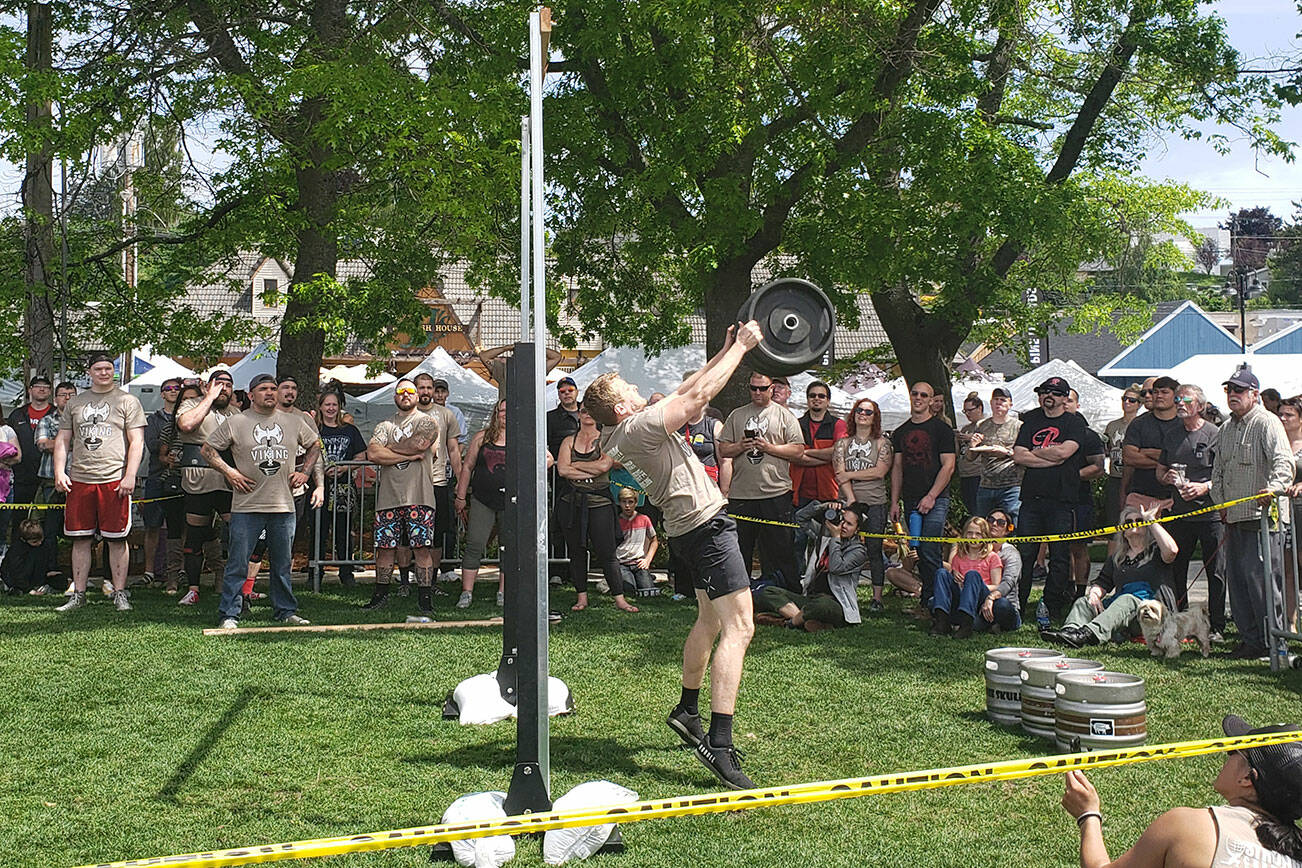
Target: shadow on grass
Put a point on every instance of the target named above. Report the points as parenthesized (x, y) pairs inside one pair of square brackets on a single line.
[(204, 745), (584, 757)]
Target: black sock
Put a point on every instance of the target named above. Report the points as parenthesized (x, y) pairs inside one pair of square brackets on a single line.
[(404, 575), (689, 700), (424, 598), (381, 590), (720, 734)]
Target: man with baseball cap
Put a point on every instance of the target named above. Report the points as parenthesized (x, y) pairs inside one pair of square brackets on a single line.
[(1001, 477), (103, 430), (1254, 457), (1048, 440), (206, 492), (25, 420), (262, 442)]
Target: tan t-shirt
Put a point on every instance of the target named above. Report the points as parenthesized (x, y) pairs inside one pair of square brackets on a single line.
[(753, 477), (863, 456), (99, 422), (407, 483), (263, 448), (199, 480), (664, 465), (448, 427)]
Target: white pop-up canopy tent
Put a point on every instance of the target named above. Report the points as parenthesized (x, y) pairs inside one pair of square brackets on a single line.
[(665, 372), (146, 386), (474, 395), (259, 360), (356, 375), (1209, 371)]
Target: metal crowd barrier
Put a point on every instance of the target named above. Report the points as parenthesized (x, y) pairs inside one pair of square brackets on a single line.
[(1282, 615), (350, 491)]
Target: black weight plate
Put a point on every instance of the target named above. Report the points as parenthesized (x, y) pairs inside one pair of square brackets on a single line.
[(796, 320)]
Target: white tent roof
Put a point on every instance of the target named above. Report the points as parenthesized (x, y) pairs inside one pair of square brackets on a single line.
[(260, 360), (163, 368), (466, 388), (355, 374), (1211, 370)]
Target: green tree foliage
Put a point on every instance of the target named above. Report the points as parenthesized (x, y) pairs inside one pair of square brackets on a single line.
[(1252, 235), (942, 157), (1286, 264)]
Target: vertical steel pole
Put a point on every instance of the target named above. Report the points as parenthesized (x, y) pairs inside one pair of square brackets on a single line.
[(525, 227)]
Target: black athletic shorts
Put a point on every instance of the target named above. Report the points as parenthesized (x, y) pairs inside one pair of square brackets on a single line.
[(442, 514), (711, 556), (207, 503)]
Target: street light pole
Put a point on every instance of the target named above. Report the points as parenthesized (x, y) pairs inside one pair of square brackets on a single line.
[(1243, 316)]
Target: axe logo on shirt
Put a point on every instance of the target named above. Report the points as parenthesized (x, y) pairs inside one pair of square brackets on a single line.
[(270, 453), (92, 425), (401, 433)]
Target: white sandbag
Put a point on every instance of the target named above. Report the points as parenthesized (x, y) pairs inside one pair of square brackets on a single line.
[(479, 700), (559, 700), (491, 852), (562, 845)]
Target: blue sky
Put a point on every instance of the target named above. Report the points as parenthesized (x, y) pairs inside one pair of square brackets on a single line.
[(1260, 30)]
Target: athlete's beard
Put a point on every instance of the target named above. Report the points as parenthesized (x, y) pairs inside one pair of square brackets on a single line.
[(222, 401)]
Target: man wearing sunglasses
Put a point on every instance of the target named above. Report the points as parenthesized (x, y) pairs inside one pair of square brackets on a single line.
[(1254, 457), (763, 439), (1114, 440), (812, 475), (207, 491), (922, 466), (1046, 445)]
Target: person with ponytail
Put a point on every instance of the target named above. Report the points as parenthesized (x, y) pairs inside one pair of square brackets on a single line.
[(1257, 825)]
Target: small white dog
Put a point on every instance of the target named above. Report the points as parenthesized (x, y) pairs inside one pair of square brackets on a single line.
[(1164, 629)]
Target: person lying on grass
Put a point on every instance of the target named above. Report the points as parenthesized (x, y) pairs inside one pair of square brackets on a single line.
[(1256, 826), (829, 591)]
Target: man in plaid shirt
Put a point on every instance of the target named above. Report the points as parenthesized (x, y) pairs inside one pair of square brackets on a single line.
[(1254, 457)]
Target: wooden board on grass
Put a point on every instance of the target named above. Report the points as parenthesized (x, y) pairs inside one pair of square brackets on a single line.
[(340, 628)]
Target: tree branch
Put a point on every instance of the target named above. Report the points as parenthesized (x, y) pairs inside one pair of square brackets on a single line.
[(214, 217)]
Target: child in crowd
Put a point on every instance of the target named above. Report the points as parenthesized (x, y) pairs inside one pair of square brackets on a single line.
[(972, 571), (638, 547), (28, 565)]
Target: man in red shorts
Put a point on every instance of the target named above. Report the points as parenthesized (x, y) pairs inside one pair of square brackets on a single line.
[(103, 430)]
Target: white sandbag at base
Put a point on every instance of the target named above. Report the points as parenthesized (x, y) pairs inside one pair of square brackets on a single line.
[(562, 845), (491, 852), (479, 699)]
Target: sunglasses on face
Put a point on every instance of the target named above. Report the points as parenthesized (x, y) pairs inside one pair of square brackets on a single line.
[(863, 411), (1236, 390), (1054, 392), (405, 392), (999, 522), (760, 388), (819, 397), (171, 388), (1146, 392), (1130, 399), (920, 394), (1184, 399)]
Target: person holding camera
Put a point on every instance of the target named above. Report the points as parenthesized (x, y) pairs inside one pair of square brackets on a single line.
[(828, 594)]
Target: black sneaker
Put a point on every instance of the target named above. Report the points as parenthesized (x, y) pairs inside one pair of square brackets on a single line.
[(1078, 637), (688, 726), (725, 763), (245, 609), (425, 601), (377, 601)]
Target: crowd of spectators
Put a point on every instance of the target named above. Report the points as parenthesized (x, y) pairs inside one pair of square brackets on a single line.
[(824, 504)]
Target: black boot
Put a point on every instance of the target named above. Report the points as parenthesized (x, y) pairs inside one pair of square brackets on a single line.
[(939, 622), (379, 597), (964, 626), (425, 600)]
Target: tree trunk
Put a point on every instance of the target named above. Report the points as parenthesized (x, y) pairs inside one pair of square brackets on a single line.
[(731, 287), (923, 346), (318, 253), (38, 202)]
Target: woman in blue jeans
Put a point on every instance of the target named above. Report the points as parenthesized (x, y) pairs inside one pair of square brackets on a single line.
[(970, 591)]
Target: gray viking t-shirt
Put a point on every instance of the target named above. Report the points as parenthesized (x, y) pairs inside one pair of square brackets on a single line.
[(666, 468), (766, 476), (263, 448), (406, 483), (99, 422), (198, 480)]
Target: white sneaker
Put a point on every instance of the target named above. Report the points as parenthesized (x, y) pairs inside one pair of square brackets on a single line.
[(295, 620), (191, 597), (228, 624), (71, 589), (42, 591), (501, 599), (120, 600), (76, 601), (449, 576), (107, 588), (463, 602)]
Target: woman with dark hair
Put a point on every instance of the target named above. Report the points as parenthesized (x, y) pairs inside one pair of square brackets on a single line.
[(862, 462), (586, 512), (1257, 825), (481, 499)]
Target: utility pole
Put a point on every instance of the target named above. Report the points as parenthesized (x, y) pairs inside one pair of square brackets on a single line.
[(38, 194)]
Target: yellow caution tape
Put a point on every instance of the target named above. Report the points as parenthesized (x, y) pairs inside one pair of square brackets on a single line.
[(30, 506), (709, 803), (1051, 537)]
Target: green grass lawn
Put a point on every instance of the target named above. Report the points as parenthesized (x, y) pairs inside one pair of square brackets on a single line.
[(133, 735)]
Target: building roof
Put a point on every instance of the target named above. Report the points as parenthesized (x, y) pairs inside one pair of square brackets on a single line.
[(1182, 333)]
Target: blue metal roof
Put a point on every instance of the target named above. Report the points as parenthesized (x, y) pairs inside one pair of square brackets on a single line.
[(1186, 332), (1287, 342)]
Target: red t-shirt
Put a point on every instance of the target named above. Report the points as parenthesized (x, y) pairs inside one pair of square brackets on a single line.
[(35, 416), (962, 565)]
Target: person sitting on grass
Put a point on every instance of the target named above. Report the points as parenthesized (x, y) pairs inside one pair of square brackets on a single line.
[(829, 591), (1257, 825), (1140, 566), (638, 548), (1007, 616), (29, 565), (968, 577)]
